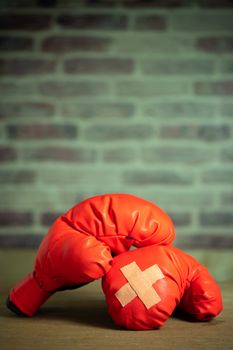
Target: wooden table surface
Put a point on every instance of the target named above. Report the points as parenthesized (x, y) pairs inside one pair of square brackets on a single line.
[(78, 319)]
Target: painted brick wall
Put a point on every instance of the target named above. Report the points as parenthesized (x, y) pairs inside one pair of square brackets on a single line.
[(117, 96)]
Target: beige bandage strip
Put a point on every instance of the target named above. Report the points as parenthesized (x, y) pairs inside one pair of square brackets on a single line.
[(139, 284)]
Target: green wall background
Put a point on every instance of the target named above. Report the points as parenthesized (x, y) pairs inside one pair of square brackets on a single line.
[(118, 96)]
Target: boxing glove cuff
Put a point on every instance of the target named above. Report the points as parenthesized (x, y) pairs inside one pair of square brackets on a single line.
[(28, 296)]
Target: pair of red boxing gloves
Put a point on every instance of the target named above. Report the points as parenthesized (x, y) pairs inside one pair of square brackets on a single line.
[(142, 287)]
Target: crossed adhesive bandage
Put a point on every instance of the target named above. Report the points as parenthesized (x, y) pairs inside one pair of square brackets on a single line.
[(139, 284)]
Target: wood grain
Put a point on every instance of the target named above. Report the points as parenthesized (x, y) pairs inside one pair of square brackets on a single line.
[(78, 319)]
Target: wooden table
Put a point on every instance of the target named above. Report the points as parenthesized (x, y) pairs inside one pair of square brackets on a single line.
[(78, 319)]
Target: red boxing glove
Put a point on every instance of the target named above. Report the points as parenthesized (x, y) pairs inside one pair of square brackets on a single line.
[(144, 286), (78, 246)]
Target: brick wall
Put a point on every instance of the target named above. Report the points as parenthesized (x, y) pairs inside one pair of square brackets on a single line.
[(117, 96)]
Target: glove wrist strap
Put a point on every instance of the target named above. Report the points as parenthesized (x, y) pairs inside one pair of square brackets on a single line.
[(28, 296)]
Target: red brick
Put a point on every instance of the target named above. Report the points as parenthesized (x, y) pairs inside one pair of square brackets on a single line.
[(215, 3), (7, 154), (216, 45), (104, 110), (26, 109), (99, 65), (216, 218), (226, 154), (204, 241), (203, 132), (226, 66), (227, 198), (150, 22), (60, 154), (25, 22), (156, 177), (15, 219), (218, 175), (17, 177), (180, 219), (153, 3), (46, 3), (214, 133), (63, 44), (180, 109), (93, 21), (216, 88), (102, 3), (119, 155), (23, 66), (227, 109), (203, 21), (171, 66), (143, 89), (15, 88), (47, 219), (173, 154), (137, 45), (103, 132), (41, 131), (73, 89), (14, 43)]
